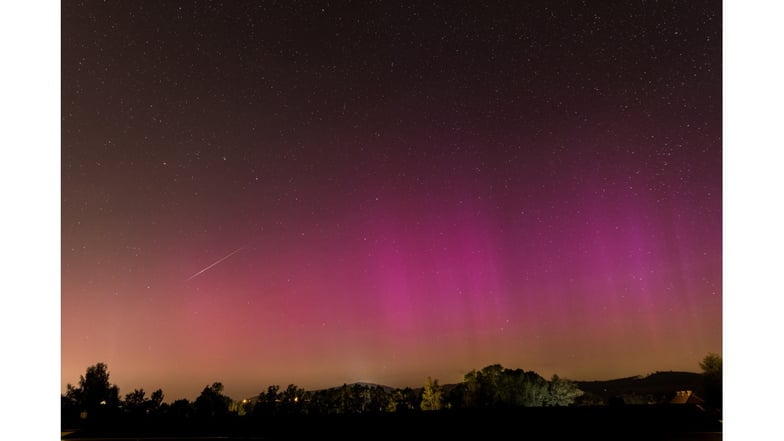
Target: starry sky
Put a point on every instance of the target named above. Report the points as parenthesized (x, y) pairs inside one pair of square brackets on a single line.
[(319, 193)]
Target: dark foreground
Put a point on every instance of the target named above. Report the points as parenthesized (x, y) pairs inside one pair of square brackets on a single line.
[(654, 423)]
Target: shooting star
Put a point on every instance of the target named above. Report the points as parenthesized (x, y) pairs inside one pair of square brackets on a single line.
[(216, 262)]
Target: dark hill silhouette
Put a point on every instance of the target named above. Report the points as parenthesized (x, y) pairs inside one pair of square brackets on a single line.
[(657, 387), (662, 383), (365, 384)]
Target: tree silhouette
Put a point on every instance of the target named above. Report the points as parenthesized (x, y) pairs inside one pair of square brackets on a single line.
[(379, 399), (95, 399), (396, 401), (292, 400), (134, 401), (490, 389), (470, 390), (712, 375), (521, 388), (497, 387), (562, 392), (95, 396), (180, 410), (431, 395), (403, 400), (137, 403), (267, 401), (212, 403), (155, 401), (320, 403)]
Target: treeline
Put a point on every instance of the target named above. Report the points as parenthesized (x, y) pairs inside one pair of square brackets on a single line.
[(95, 400)]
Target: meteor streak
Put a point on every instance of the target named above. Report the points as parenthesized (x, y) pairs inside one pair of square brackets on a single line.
[(215, 263)]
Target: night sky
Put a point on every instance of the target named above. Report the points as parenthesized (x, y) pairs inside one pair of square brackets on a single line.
[(320, 193)]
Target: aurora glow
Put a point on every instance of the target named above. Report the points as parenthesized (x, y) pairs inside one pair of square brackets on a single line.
[(419, 191)]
